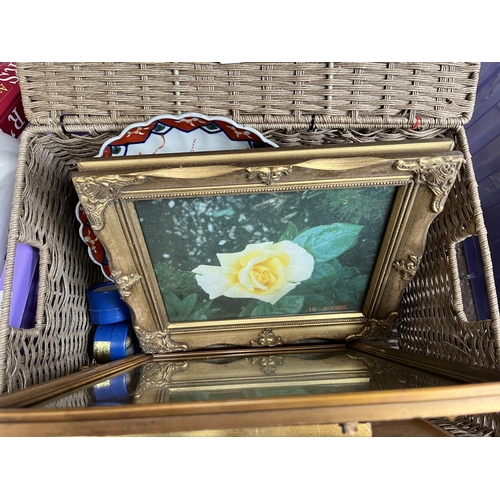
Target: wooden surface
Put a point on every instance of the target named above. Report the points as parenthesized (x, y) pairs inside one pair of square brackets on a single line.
[(264, 412), (400, 428), (326, 430)]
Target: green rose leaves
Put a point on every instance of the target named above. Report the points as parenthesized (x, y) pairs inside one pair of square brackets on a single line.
[(325, 243)]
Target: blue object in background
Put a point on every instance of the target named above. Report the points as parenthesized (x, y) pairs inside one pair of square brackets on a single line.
[(483, 133), (105, 305), (112, 391), (112, 342)]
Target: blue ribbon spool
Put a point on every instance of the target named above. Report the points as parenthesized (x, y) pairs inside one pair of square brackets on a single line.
[(105, 305), (112, 342)]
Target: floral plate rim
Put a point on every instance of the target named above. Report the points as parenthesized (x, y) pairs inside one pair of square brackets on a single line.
[(91, 240)]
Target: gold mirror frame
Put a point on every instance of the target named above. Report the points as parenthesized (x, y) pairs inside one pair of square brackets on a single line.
[(423, 173)]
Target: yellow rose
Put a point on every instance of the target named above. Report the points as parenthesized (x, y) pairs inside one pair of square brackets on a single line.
[(265, 271)]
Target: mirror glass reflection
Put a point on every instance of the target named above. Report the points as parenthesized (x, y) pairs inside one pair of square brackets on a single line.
[(338, 370)]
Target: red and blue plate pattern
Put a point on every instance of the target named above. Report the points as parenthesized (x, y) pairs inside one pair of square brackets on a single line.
[(169, 134)]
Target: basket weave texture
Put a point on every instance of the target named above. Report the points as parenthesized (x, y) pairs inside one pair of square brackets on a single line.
[(75, 107), (258, 94)]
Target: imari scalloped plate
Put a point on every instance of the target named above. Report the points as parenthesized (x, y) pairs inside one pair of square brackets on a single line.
[(165, 134)]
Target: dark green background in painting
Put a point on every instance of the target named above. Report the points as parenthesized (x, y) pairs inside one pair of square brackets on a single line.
[(184, 233)]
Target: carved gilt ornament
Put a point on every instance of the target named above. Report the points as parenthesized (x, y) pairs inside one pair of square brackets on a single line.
[(157, 342), (408, 268), (124, 282), (268, 175), (96, 192), (376, 329), (266, 339), (438, 173)]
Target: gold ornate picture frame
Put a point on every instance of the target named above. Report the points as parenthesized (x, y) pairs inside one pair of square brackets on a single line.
[(266, 247)]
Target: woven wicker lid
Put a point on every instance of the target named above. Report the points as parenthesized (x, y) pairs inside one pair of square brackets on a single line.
[(263, 95)]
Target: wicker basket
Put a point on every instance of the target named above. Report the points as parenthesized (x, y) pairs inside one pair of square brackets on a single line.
[(74, 107)]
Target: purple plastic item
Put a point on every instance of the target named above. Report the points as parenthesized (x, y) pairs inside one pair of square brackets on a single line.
[(24, 287)]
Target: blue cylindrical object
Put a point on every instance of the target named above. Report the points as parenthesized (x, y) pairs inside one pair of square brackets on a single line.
[(105, 305), (112, 342), (114, 390)]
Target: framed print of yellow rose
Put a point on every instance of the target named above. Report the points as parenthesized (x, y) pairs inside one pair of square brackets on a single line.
[(266, 247), (314, 251)]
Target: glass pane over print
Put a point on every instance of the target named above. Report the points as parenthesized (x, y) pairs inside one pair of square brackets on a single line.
[(267, 254), (252, 376)]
